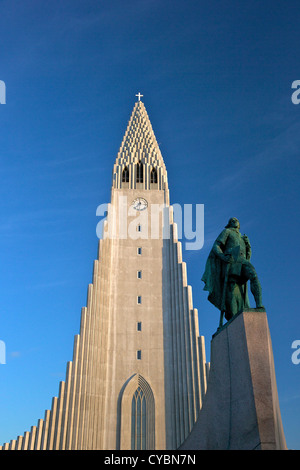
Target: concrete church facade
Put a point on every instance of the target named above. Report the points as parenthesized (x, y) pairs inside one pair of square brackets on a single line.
[(138, 374)]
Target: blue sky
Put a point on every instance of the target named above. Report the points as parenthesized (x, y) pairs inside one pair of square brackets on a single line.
[(216, 79)]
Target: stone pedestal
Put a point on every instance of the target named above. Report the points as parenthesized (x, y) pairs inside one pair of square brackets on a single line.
[(241, 407)]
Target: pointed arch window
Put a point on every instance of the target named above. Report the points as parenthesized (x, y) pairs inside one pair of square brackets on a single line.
[(153, 176), (138, 420), (125, 175), (136, 414), (139, 172)]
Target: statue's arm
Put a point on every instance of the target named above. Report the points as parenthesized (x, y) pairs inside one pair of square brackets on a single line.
[(248, 247), (219, 245)]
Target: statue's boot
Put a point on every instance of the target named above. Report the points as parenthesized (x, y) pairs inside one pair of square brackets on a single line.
[(256, 291)]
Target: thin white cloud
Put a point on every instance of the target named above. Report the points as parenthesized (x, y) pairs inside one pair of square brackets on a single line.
[(15, 354), (47, 285), (285, 145)]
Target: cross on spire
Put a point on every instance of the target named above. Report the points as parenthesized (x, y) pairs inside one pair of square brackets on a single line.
[(139, 96)]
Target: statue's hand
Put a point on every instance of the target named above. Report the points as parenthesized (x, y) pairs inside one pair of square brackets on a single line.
[(228, 258)]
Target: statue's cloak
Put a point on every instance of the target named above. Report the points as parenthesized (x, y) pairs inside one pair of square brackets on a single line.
[(214, 278)]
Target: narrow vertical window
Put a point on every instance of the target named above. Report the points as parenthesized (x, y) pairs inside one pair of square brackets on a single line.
[(142, 417), (139, 326), (139, 354), (139, 274), (139, 251), (139, 299), (139, 172), (125, 175), (138, 420), (153, 176), (139, 228)]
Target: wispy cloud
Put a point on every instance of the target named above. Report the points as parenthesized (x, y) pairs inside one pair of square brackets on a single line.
[(15, 354), (47, 285), (28, 222), (285, 145), (289, 398)]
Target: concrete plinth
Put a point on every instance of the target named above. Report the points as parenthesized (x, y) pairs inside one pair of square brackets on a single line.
[(241, 407)]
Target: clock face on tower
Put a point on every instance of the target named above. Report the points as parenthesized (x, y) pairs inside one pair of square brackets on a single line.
[(139, 204)]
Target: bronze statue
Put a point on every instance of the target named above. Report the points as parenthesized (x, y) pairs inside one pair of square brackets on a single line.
[(227, 271)]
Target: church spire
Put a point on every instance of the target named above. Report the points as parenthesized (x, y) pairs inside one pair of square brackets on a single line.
[(139, 314), (140, 152)]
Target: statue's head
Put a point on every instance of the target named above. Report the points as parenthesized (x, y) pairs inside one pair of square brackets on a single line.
[(233, 223)]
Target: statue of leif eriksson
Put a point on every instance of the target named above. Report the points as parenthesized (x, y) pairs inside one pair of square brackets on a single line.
[(227, 271)]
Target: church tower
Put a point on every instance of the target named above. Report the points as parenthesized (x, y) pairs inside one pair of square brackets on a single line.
[(137, 378)]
